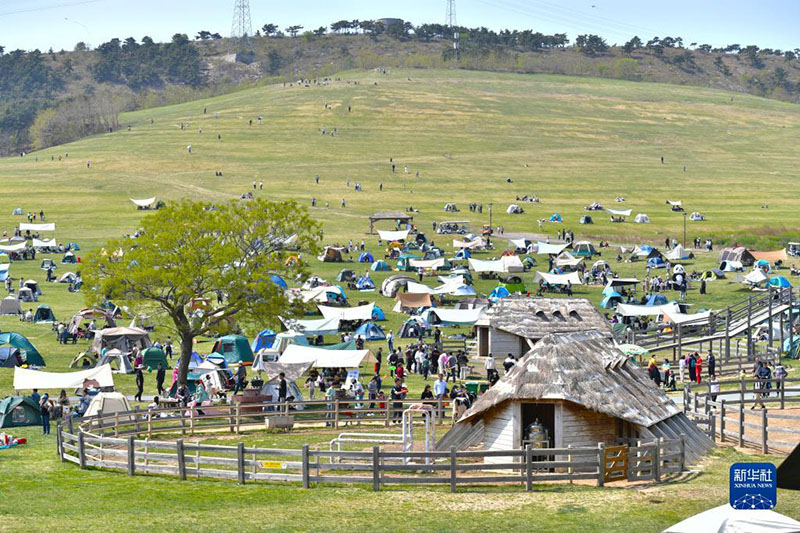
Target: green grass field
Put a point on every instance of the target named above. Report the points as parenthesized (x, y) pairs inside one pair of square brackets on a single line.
[(582, 140)]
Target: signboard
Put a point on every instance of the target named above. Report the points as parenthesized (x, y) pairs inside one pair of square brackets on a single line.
[(753, 486), (274, 464), (352, 377)]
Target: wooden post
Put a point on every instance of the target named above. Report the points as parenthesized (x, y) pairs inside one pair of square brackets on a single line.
[(570, 469), (336, 413), (601, 464), (728, 336), (231, 418), (683, 452), (136, 417), (528, 468), (657, 459), (749, 326), (376, 468), (238, 416), (453, 465), (791, 318), (131, 456), (694, 402), (680, 341), (81, 451), (306, 470), (182, 460), (116, 424), (149, 424), (769, 317), (741, 390), (764, 431), (782, 383), (183, 424), (722, 421), (741, 425), (440, 410), (388, 414), (712, 426), (60, 442), (240, 462), (70, 427)]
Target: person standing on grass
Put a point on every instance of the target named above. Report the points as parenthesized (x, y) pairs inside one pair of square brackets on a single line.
[(491, 366), (44, 410), (161, 373), (168, 347), (139, 383), (712, 363), (698, 369), (283, 388), (241, 376), (681, 367)]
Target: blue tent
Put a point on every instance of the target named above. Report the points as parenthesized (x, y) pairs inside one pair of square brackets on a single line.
[(28, 350), (608, 291), (780, 281), (555, 217), (611, 300), (463, 254), (378, 314), (656, 262), (277, 280), (498, 292), (195, 361), (656, 299), (371, 332), (364, 283), (380, 266), (646, 248), (264, 339), (74, 246), (365, 257)]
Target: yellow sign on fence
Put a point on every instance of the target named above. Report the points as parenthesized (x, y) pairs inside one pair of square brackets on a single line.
[(274, 464)]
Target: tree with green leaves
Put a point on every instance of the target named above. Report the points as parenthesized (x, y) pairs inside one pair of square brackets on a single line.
[(632, 45), (294, 30), (591, 44), (198, 265)]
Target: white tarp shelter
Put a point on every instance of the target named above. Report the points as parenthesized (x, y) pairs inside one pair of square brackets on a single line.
[(507, 263), (620, 212), (459, 316), (321, 358), (25, 378), (679, 203), (393, 235), (362, 312), (13, 247), (543, 248), (427, 263), (37, 243), (37, 227), (449, 286), (467, 244), (648, 310), (566, 259), (319, 294), (726, 519), (322, 326), (682, 318), (144, 203), (558, 279), (755, 277)]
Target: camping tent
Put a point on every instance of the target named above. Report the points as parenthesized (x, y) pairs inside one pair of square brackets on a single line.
[(34, 286), (611, 300), (119, 362), (36, 379), (641, 218), (234, 348), (712, 274), (370, 332), (586, 219), (676, 254), (321, 358), (392, 284), (412, 301), (29, 352), (4, 268), (780, 281), (737, 253), (345, 275), (10, 357), (69, 259), (26, 295), (366, 257), (697, 217), (726, 519), (755, 277), (514, 209), (584, 249), (264, 339), (44, 315), (123, 339), (279, 281), (17, 411), (17, 211), (555, 217), (152, 356), (108, 403), (365, 283), (497, 293), (331, 255), (378, 314), (84, 360), (380, 266), (10, 306)]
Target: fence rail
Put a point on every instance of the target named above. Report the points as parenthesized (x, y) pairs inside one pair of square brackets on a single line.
[(87, 446)]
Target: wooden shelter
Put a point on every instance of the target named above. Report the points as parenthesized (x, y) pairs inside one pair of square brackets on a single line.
[(398, 216), (583, 390), (513, 325)]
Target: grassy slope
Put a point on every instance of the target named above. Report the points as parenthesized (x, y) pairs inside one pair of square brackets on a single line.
[(584, 140)]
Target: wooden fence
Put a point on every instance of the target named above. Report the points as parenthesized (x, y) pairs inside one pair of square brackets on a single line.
[(730, 415), (87, 446)]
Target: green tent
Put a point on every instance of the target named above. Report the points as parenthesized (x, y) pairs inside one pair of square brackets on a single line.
[(29, 351), (152, 356), (235, 349), (16, 411)]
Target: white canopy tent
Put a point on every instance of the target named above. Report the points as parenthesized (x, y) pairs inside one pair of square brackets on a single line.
[(37, 227), (459, 316), (566, 259), (620, 212), (675, 204), (648, 310), (13, 247), (621, 282), (467, 244), (682, 318), (726, 519), (393, 235), (319, 294), (507, 263), (323, 326), (448, 287), (25, 378), (37, 243), (321, 358), (144, 203), (558, 279), (362, 312), (427, 263), (543, 248), (755, 277)]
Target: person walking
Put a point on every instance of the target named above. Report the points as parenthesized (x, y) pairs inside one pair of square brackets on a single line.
[(161, 373), (241, 376), (283, 388), (139, 383), (44, 410)]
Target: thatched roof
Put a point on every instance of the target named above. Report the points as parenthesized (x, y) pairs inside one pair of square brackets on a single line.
[(534, 318), (586, 369)]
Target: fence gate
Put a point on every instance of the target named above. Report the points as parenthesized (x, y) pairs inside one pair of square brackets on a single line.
[(615, 464)]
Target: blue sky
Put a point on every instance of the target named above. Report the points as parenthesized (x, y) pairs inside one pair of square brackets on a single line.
[(29, 24)]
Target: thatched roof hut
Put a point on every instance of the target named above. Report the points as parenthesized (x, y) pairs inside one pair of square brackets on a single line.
[(513, 325), (584, 390)]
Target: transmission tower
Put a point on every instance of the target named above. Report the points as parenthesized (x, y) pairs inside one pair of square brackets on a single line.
[(451, 13), (241, 26)]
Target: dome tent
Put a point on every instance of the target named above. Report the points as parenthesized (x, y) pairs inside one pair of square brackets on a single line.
[(365, 283), (586, 219), (370, 332), (234, 348), (366, 257), (555, 217), (378, 314), (28, 350), (641, 218), (279, 281), (44, 315), (380, 266), (17, 411), (152, 356), (264, 339), (17, 211)]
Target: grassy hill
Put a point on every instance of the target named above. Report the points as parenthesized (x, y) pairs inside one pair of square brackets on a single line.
[(569, 140)]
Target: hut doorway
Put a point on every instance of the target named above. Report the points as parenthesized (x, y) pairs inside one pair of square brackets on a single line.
[(544, 413)]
